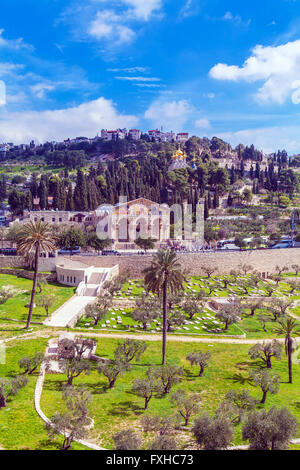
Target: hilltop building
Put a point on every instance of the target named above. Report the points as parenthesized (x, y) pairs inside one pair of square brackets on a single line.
[(136, 134), (125, 222), (178, 161)]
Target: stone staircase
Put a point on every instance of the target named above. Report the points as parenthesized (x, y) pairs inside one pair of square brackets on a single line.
[(96, 278), (90, 291), (69, 313)]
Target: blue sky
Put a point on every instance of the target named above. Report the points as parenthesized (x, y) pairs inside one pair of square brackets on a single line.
[(209, 67)]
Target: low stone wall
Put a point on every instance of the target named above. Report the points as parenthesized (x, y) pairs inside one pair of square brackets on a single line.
[(12, 262), (28, 274), (262, 260)]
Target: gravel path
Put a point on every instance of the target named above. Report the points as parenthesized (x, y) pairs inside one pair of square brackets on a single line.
[(143, 337)]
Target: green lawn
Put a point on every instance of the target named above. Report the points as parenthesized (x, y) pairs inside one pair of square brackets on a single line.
[(201, 323), (119, 408), (20, 426), (135, 288), (15, 307)]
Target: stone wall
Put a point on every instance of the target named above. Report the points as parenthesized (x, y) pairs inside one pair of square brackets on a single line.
[(12, 262), (262, 260), (28, 274)]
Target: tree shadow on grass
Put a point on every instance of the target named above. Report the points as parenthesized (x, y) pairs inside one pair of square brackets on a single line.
[(191, 375), (48, 444), (13, 329), (126, 408), (54, 385), (96, 388), (257, 364), (239, 378), (147, 365)]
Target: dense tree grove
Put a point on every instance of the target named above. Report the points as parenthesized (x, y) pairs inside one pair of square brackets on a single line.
[(141, 168)]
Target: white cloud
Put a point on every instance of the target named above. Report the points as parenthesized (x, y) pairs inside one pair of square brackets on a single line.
[(235, 19), (15, 44), (190, 8), (130, 70), (108, 25), (268, 139), (40, 89), (170, 114), (210, 95), (117, 21), (278, 67), (7, 68), (149, 85), (86, 119), (202, 123), (143, 9), (139, 79)]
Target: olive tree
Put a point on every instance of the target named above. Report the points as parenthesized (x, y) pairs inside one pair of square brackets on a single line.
[(252, 305), (265, 351), (30, 364), (99, 309), (191, 307), (127, 439), (175, 318), (146, 388), (167, 375), (228, 315), (199, 358), (46, 301), (72, 424), (6, 292), (209, 270), (237, 403), (164, 442), (112, 371), (130, 349), (294, 285), (279, 307), (147, 309), (265, 381), (281, 269), (296, 268), (270, 430), (213, 433), (73, 368), (187, 405), (10, 387)]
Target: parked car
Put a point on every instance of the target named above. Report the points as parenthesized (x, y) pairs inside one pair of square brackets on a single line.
[(111, 253), (281, 245), (229, 246), (67, 251)]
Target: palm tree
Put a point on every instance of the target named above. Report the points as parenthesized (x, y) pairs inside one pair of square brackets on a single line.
[(34, 238), (288, 328), (163, 275)]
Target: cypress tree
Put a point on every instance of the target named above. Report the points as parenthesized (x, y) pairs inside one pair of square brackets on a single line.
[(70, 200), (43, 194), (80, 193), (206, 211)]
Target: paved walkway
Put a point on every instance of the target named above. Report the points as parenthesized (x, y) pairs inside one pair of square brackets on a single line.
[(68, 314), (37, 404)]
